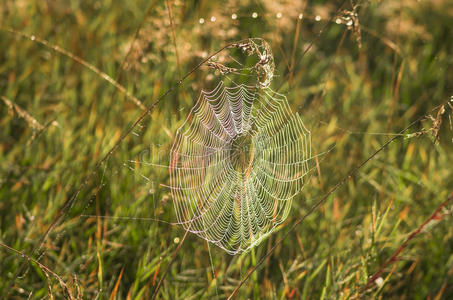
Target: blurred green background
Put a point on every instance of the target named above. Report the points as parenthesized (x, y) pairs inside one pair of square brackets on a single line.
[(384, 65)]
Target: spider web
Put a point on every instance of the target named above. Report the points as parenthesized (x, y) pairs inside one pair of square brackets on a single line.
[(236, 164)]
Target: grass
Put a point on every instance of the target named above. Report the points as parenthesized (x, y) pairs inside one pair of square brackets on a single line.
[(59, 118)]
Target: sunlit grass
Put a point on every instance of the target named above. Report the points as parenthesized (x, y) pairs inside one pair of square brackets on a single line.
[(351, 98)]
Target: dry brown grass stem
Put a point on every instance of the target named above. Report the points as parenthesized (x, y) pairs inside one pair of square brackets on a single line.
[(436, 216), (46, 271), (79, 60), (31, 121)]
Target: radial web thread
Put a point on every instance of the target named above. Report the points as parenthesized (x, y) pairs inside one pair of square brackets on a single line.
[(236, 164)]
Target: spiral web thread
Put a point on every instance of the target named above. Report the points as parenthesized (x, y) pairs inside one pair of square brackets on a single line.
[(236, 164)]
